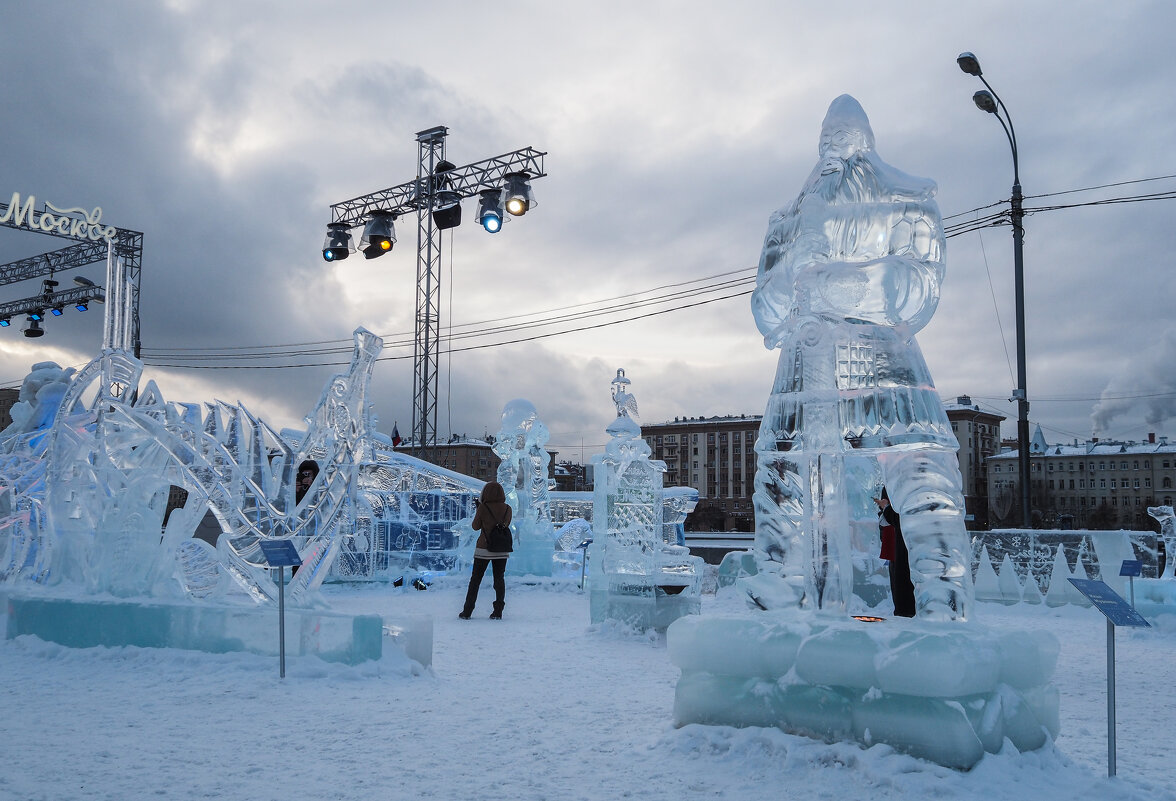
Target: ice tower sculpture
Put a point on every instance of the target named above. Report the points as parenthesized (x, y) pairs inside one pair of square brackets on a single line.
[(635, 577), (850, 271), (520, 444)]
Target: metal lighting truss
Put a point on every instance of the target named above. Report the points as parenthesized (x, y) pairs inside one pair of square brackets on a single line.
[(127, 245), (421, 196), (41, 303)]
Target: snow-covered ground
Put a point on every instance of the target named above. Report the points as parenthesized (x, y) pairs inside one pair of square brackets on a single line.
[(540, 705)]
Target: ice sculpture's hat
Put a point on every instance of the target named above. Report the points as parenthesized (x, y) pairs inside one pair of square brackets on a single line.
[(846, 114)]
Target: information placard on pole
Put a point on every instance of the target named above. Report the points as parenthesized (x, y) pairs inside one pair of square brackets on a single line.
[(1118, 613), (1131, 568), (281, 554)]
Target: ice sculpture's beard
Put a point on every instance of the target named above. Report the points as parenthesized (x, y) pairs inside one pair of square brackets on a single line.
[(864, 178), (851, 180)]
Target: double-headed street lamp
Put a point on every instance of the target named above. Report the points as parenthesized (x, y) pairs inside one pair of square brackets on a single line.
[(988, 100)]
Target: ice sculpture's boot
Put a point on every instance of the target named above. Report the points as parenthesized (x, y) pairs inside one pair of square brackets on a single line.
[(925, 487)]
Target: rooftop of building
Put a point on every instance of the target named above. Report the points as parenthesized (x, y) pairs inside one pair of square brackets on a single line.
[(703, 421), (1097, 447), (963, 403)]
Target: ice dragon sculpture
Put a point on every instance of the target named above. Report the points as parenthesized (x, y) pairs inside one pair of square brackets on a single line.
[(850, 271), (90, 462)]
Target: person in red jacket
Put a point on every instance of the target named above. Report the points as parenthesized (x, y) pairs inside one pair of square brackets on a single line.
[(902, 591), (492, 509)]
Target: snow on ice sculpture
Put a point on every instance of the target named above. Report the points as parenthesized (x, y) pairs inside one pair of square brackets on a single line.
[(635, 577), (523, 470), (850, 271)]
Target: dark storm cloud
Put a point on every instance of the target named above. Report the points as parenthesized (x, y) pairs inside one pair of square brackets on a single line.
[(224, 131)]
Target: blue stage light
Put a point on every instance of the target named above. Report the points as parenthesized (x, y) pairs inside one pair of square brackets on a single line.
[(490, 210)]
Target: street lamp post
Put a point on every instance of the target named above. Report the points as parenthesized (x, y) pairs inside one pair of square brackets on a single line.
[(990, 102)]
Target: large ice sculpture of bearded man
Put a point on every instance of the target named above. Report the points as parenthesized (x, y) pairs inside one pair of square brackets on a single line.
[(850, 271)]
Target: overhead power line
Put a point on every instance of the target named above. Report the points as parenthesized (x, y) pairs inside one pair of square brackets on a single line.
[(626, 304)]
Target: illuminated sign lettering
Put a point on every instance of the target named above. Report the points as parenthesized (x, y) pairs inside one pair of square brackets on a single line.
[(55, 220)]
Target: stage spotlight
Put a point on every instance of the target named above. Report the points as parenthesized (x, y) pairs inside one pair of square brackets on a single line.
[(81, 280), (81, 307), (36, 316), (337, 245), (33, 329), (490, 210), (379, 235), (519, 198), (447, 214), (5, 322), (57, 311)]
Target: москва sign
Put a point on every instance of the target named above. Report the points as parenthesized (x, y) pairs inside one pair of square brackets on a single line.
[(55, 220)]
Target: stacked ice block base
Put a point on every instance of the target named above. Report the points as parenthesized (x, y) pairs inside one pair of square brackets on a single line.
[(943, 692), (332, 637)]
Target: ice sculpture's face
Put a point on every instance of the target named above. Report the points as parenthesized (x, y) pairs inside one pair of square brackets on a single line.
[(841, 144), (518, 418)]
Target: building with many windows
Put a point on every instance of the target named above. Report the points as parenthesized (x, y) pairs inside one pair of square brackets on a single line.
[(978, 433), (472, 457), (1097, 484), (716, 456)]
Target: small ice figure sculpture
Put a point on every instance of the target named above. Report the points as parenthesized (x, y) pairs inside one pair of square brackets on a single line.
[(850, 271), (635, 577), (520, 444)]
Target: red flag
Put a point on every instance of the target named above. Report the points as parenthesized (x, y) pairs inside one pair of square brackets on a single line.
[(395, 435)]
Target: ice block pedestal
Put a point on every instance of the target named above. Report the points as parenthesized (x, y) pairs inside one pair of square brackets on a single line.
[(945, 692), (85, 623)]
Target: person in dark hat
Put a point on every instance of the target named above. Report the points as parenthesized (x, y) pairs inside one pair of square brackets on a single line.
[(894, 549), (492, 509)]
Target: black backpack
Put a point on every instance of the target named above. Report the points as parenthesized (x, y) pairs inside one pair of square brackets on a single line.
[(499, 539)]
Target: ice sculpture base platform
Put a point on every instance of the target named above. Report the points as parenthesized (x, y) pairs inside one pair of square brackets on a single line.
[(85, 623), (945, 692), (655, 609)]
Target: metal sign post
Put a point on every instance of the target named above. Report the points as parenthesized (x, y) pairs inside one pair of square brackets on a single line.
[(281, 554), (1117, 612), (1131, 568), (583, 546)]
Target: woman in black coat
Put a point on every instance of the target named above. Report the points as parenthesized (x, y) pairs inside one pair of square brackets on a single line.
[(902, 591), (492, 509)]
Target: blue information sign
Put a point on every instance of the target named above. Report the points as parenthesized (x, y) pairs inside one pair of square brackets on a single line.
[(280, 553), (1109, 603), (1131, 567)]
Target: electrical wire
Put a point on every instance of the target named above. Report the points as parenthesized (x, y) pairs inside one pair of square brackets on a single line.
[(633, 301)]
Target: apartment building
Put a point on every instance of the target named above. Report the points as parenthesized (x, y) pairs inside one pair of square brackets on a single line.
[(716, 456), (978, 433), (467, 455), (1098, 484)]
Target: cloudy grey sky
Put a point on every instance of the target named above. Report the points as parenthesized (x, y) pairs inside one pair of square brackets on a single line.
[(224, 131)]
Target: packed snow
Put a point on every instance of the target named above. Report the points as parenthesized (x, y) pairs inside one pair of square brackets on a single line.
[(540, 705)]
